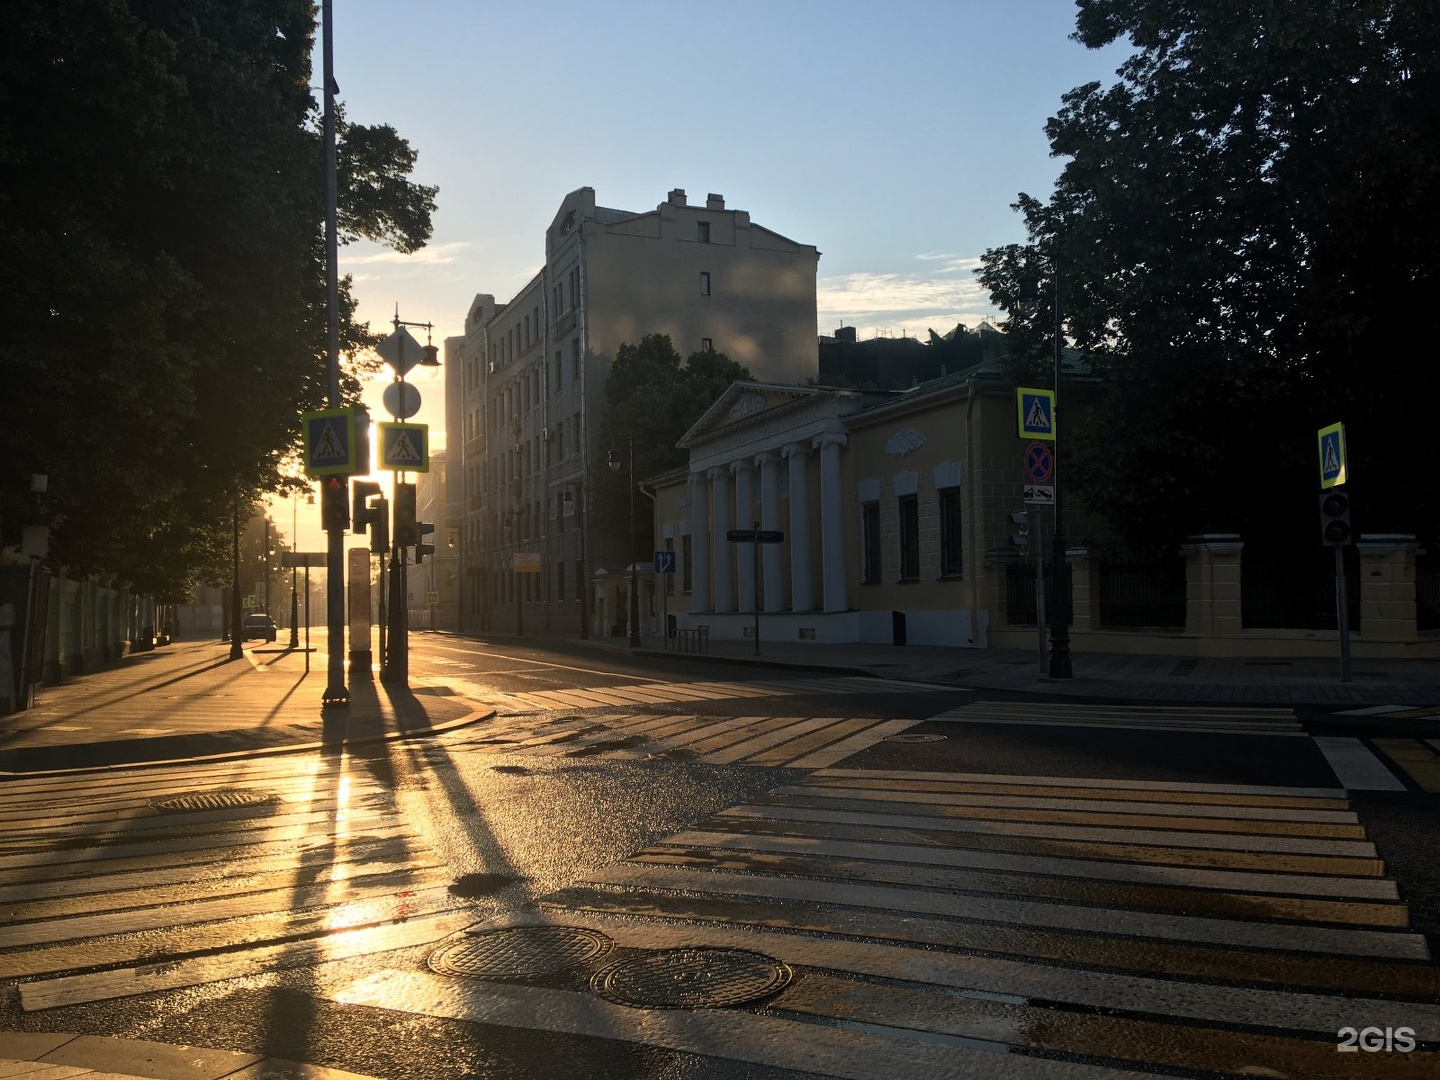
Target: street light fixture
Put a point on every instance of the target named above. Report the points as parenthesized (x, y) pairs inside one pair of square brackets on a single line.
[(1027, 301), (634, 584)]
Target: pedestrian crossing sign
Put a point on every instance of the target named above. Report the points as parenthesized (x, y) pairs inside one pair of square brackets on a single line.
[(1035, 413), (405, 447), (331, 446), (1332, 456)]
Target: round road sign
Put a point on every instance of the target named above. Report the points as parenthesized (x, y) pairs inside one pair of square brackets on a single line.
[(1039, 462), (402, 400)]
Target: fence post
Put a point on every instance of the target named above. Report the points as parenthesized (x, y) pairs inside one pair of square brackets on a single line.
[(1387, 587), (1084, 588), (1212, 584)]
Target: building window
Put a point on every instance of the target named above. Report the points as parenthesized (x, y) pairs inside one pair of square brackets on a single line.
[(580, 583), (559, 582), (685, 576), (952, 563), (707, 344), (870, 542), (704, 282), (669, 578), (575, 359), (702, 231), (909, 537)]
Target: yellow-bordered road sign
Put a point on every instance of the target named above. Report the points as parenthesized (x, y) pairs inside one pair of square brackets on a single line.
[(405, 447), (1332, 456), (1035, 413), (331, 448)]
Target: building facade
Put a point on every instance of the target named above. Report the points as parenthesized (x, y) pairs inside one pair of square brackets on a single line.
[(526, 383)]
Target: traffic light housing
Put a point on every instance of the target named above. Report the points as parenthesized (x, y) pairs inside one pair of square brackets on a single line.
[(1021, 536), (405, 534), (422, 530), (335, 502), (362, 516), (1335, 527), (380, 527)]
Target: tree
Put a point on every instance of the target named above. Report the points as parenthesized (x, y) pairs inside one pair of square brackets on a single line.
[(652, 399), (1248, 225), (163, 289)]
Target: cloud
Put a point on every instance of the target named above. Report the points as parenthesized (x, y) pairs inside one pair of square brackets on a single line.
[(431, 255), (905, 303)]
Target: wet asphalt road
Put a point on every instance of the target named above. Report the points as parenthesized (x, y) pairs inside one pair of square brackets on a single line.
[(946, 896)]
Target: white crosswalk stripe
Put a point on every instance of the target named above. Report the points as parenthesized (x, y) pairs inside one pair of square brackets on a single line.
[(667, 693), (1356, 765), (975, 925), (104, 893), (1236, 721), (796, 742)]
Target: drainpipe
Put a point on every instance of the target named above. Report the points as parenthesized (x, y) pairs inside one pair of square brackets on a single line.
[(974, 549)]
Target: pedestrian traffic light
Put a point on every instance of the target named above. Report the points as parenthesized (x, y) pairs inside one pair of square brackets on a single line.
[(380, 527), (1334, 518), (405, 515), (335, 502), (361, 515), (422, 530), (1021, 537)]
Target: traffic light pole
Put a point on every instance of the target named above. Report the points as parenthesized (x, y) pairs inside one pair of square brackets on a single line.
[(336, 692), (1342, 612)]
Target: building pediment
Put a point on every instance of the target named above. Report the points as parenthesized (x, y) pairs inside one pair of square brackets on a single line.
[(747, 404)]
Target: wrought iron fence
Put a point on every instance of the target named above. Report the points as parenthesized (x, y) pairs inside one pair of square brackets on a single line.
[(1285, 588), (1020, 594), (1150, 594)]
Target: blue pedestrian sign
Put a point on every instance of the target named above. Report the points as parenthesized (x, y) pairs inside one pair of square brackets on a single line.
[(1332, 456), (1035, 413), (664, 562), (330, 443)]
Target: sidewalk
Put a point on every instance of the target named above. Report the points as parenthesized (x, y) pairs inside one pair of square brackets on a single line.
[(46, 1055), (189, 700), (1112, 676)]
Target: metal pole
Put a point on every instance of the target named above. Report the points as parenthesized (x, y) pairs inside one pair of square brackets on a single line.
[(755, 563), (294, 573), (1040, 589), (1060, 667), (307, 618), (634, 584), (1342, 612), (237, 651), (336, 692), (582, 590)]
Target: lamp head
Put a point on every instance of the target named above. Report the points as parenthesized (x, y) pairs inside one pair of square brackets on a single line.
[(1027, 299)]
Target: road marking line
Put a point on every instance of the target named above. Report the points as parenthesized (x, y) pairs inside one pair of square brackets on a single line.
[(1355, 766), (1086, 782), (1418, 761)]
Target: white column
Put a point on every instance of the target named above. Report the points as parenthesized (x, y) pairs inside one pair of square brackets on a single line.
[(832, 521), (772, 560), (745, 519), (720, 549), (699, 543), (802, 593)]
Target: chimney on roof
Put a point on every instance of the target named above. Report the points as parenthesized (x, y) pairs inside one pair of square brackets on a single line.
[(677, 197), (714, 202)]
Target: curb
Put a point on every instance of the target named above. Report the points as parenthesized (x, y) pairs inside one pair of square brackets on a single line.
[(62, 1053)]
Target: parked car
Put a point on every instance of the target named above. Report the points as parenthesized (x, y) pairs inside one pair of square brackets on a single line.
[(258, 625)]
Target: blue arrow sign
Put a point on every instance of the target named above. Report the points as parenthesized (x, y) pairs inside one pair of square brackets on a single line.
[(664, 562)]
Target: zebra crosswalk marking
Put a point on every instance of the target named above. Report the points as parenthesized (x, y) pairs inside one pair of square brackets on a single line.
[(1415, 759), (1239, 721), (1355, 766)]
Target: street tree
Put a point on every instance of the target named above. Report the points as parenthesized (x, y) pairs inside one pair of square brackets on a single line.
[(1248, 228), (652, 398), (162, 273)]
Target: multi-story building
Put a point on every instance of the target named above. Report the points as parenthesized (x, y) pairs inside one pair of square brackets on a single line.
[(527, 382)]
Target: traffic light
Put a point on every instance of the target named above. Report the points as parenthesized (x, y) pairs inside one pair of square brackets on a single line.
[(1021, 537), (361, 515), (1334, 518), (335, 502), (405, 535), (380, 527), (422, 530)]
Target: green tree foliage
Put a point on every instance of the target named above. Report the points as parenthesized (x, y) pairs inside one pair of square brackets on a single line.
[(162, 275), (1248, 228), (652, 399)]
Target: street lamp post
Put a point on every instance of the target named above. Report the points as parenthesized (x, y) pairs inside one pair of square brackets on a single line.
[(1060, 665), (634, 583)]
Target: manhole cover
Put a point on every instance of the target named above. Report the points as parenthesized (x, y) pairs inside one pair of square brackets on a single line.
[(213, 800), (518, 951), (917, 737), (691, 978)]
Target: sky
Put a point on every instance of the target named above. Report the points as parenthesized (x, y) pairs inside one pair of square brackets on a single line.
[(892, 135)]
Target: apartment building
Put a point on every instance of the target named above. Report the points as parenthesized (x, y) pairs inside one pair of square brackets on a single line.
[(527, 382)]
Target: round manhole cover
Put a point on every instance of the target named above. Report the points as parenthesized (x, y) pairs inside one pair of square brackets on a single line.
[(517, 951), (213, 800), (691, 978), (917, 737)]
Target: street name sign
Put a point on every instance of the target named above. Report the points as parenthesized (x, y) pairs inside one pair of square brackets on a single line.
[(755, 536), (405, 447), (302, 558), (525, 562), (330, 443), (1035, 413), (1332, 456)]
